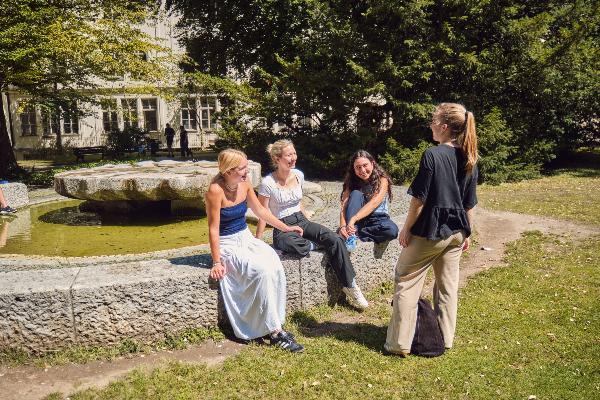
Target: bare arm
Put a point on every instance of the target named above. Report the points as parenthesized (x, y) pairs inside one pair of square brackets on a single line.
[(467, 243), (260, 227), (372, 204), (264, 214), (343, 229), (414, 210), (213, 210)]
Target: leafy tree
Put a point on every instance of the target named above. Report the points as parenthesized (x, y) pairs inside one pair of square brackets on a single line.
[(527, 69), (57, 52)]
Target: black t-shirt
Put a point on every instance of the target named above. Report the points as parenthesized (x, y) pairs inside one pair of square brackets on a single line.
[(446, 191), (169, 133)]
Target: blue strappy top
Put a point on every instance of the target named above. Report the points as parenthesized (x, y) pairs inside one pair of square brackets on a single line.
[(233, 219)]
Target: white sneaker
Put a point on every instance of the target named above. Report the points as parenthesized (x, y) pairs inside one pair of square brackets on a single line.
[(355, 297)]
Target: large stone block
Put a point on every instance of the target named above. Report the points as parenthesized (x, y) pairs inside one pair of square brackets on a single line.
[(142, 300), (16, 194), (145, 181), (35, 309)]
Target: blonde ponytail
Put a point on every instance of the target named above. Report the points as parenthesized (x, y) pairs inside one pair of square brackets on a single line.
[(462, 125), (469, 142)]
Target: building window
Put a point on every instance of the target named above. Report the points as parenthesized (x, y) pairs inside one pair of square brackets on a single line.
[(109, 116), (207, 112), (49, 123), (28, 121), (71, 121), (130, 117), (189, 115), (150, 114)]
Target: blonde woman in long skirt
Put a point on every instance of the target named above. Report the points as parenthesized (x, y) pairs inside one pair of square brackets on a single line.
[(249, 271)]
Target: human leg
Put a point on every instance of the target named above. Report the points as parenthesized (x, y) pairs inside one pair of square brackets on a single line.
[(445, 289), (4, 207), (377, 228), (254, 286), (2, 199), (411, 269), (356, 200), (334, 247)]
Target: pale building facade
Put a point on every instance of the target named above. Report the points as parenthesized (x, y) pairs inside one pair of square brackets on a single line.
[(30, 128)]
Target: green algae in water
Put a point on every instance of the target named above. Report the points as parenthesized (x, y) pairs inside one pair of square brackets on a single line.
[(60, 229)]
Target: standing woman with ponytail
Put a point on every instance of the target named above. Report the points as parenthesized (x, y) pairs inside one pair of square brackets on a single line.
[(437, 227)]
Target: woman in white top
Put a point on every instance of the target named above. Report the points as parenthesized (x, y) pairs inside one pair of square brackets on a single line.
[(281, 192), (249, 271)]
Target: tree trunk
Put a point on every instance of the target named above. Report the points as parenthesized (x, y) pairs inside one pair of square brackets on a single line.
[(58, 116), (8, 162)]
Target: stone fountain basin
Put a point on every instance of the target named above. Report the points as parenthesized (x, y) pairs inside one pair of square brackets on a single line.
[(145, 181), (48, 303)]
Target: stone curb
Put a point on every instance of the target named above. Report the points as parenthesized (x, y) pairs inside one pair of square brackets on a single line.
[(16, 194), (59, 302)]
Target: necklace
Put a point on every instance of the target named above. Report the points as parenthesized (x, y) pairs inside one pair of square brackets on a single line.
[(231, 189)]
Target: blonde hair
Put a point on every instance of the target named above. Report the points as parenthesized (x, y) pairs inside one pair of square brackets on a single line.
[(276, 149), (229, 159), (462, 127)]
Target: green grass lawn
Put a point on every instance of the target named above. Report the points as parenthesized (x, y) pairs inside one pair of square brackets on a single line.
[(568, 194), (529, 329), (532, 328)]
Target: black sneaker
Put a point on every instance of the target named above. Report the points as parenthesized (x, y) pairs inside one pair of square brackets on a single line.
[(7, 210), (286, 342)]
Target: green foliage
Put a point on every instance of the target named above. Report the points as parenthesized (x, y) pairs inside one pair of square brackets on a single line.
[(528, 71), (126, 140), (57, 53), (401, 162), (500, 160)]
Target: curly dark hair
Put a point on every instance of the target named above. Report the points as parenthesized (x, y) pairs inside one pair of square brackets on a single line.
[(353, 182)]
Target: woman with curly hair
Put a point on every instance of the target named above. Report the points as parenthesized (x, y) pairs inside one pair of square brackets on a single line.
[(366, 198)]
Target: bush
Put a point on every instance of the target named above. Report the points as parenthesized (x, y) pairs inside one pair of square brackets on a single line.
[(401, 162), (130, 138)]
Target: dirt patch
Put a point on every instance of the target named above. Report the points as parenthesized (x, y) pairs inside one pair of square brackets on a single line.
[(494, 230), (497, 228), (30, 382)]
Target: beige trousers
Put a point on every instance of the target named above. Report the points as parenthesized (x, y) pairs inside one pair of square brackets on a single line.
[(410, 274)]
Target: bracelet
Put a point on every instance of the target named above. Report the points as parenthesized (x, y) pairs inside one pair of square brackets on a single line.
[(216, 263)]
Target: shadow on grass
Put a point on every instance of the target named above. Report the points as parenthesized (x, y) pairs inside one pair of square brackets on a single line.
[(578, 173), (365, 334)]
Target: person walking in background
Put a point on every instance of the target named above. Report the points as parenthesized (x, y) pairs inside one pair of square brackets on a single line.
[(184, 143), (437, 227), (365, 210), (5, 209), (281, 192), (249, 271), (169, 136)]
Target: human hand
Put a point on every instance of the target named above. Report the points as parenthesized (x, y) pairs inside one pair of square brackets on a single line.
[(344, 232), (404, 237), (218, 271), (466, 244), (351, 227), (296, 229)]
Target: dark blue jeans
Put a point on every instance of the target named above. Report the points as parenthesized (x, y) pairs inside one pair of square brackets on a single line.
[(332, 244), (375, 227)]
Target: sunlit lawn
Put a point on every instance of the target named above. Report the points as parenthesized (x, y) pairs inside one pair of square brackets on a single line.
[(569, 194), (530, 329)]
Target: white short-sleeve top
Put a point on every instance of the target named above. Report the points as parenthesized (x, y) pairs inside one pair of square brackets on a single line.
[(282, 201)]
